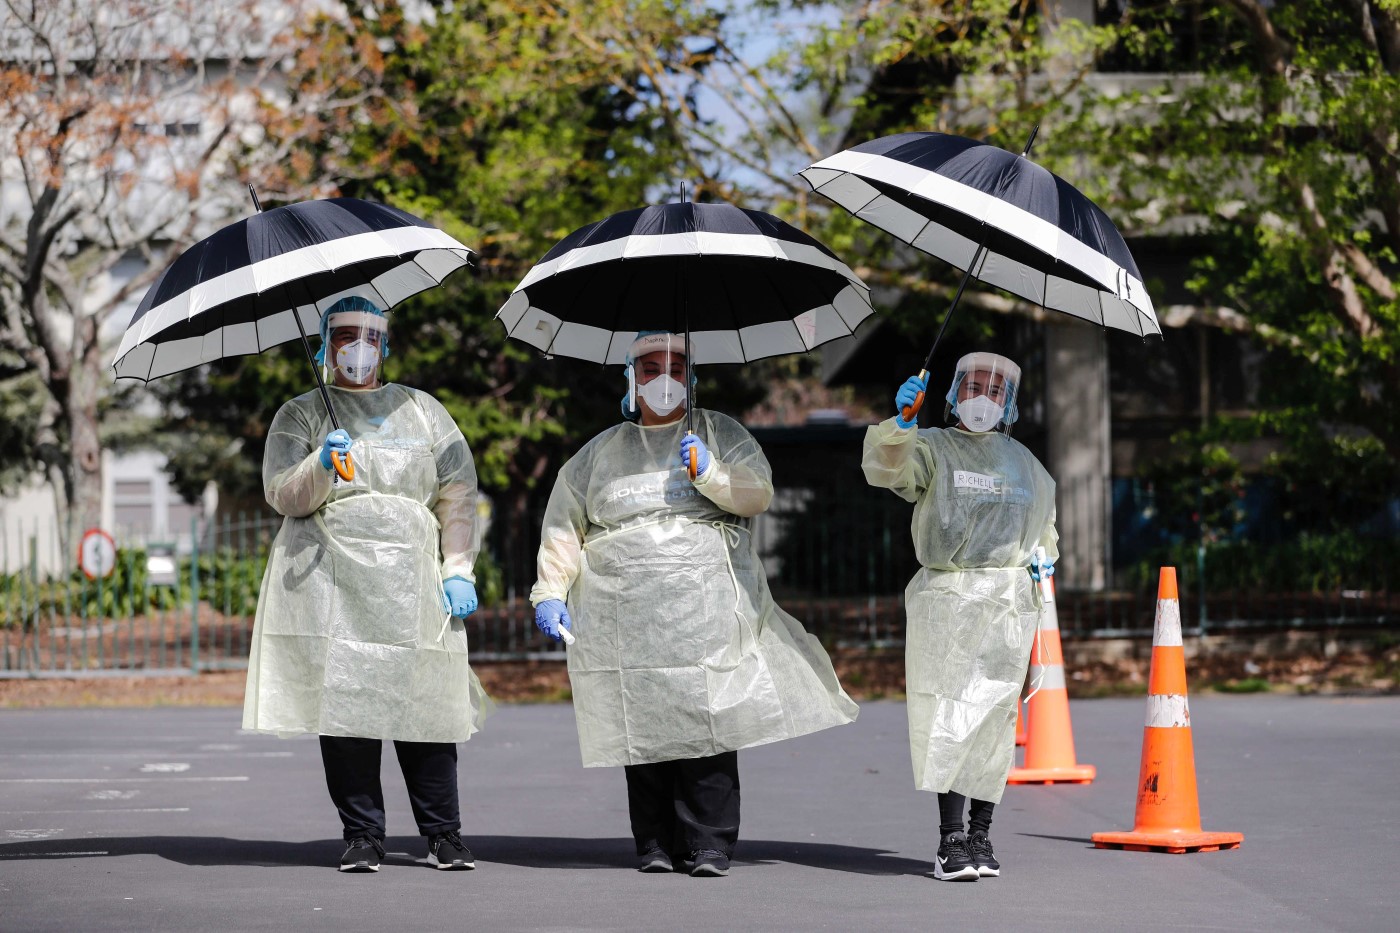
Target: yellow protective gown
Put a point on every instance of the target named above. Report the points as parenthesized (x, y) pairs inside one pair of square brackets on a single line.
[(352, 637), (982, 503), (681, 651)]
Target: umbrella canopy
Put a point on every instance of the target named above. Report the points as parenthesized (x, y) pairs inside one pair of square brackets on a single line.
[(234, 293), (744, 283), (948, 195)]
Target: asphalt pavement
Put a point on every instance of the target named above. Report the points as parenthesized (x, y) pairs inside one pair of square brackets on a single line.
[(174, 819)]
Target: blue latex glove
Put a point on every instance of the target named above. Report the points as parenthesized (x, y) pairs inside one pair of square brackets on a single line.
[(1046, 569), (551, 616), (905, 396), (460, 596), (702, 453), (338, 441)]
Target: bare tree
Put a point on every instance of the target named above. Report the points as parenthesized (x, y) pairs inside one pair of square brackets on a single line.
[(126, 127)]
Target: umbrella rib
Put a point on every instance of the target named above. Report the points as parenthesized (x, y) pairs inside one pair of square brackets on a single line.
[(927, 222), (370, 282), (593, 270), (557, 332), (792, 320), (621, 299)]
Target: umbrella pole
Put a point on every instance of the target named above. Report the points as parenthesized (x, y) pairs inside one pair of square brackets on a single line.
[(345, 467), (689, 388), (911, 412)]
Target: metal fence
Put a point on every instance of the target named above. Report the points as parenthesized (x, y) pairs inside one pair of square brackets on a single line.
[(839, 563), (162, 609)]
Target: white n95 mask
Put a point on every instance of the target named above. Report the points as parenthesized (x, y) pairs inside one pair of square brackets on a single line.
[(979, 413), (358, 361), (663, 394)]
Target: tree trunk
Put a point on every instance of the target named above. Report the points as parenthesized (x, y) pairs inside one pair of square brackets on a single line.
[(80, 414)]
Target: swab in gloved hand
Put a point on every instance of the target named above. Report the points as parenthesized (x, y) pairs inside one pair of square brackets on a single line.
[(1042, 569)]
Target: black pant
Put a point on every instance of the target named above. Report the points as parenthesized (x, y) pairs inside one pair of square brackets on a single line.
[(352, 776), (687, 805), (950, 814)]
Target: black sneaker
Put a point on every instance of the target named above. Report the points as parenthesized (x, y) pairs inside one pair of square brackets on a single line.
[(954, 862), (447, 853), (980, 848), (362, 854), (709, 863), (656, 861)]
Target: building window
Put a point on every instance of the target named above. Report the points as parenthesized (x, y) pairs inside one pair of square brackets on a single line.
[(133, 506)]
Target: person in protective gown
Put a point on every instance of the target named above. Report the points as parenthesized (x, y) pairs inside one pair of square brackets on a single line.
[(982, 505), (681, 657), (360, 632)]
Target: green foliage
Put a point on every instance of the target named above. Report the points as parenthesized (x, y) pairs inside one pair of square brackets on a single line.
[(1247, 685), (21, 404), (490, 579), (1277, 146), (508, 124), (120, 595), (1307, 563), (228, 583), (1328, 494), (1268, 143)]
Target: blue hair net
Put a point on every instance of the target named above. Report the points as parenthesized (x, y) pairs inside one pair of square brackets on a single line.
[(350, 303)]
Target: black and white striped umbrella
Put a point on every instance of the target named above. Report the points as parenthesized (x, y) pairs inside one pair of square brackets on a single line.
[(234, 293), (747, 285), (1040, 237)]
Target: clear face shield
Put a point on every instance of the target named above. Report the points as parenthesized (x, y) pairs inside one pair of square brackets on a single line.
[(983, 394), (657, 375), (356, 342)]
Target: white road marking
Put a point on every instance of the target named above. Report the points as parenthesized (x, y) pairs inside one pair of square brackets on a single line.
[(47, 854), (112, 810), (145, 754), (165, 767), (32, 833), (149, 780), (111, 794)]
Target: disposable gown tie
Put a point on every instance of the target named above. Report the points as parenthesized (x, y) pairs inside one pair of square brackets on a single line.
[(982, 503), (351, 637), (681, 651)]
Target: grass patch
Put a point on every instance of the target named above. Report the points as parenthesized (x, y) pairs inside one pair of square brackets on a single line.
[(1247, 685)]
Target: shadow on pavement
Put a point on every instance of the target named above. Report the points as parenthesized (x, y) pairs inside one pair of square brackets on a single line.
[(545, 852)]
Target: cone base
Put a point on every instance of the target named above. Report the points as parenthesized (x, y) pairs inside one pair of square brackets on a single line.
[(1071, 774), (1175, 843)]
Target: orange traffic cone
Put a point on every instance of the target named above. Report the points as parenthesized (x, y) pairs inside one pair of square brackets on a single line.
[(1020, 725), (1050, 740), (1168, 817)]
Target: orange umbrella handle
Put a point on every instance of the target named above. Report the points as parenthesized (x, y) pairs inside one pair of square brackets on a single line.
[(343, 465), (911, 412), (694, 463)]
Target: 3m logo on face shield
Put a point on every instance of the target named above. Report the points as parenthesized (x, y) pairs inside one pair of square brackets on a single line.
[(964, 479)]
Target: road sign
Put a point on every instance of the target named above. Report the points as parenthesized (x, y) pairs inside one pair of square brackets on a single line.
[(97, 554)]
